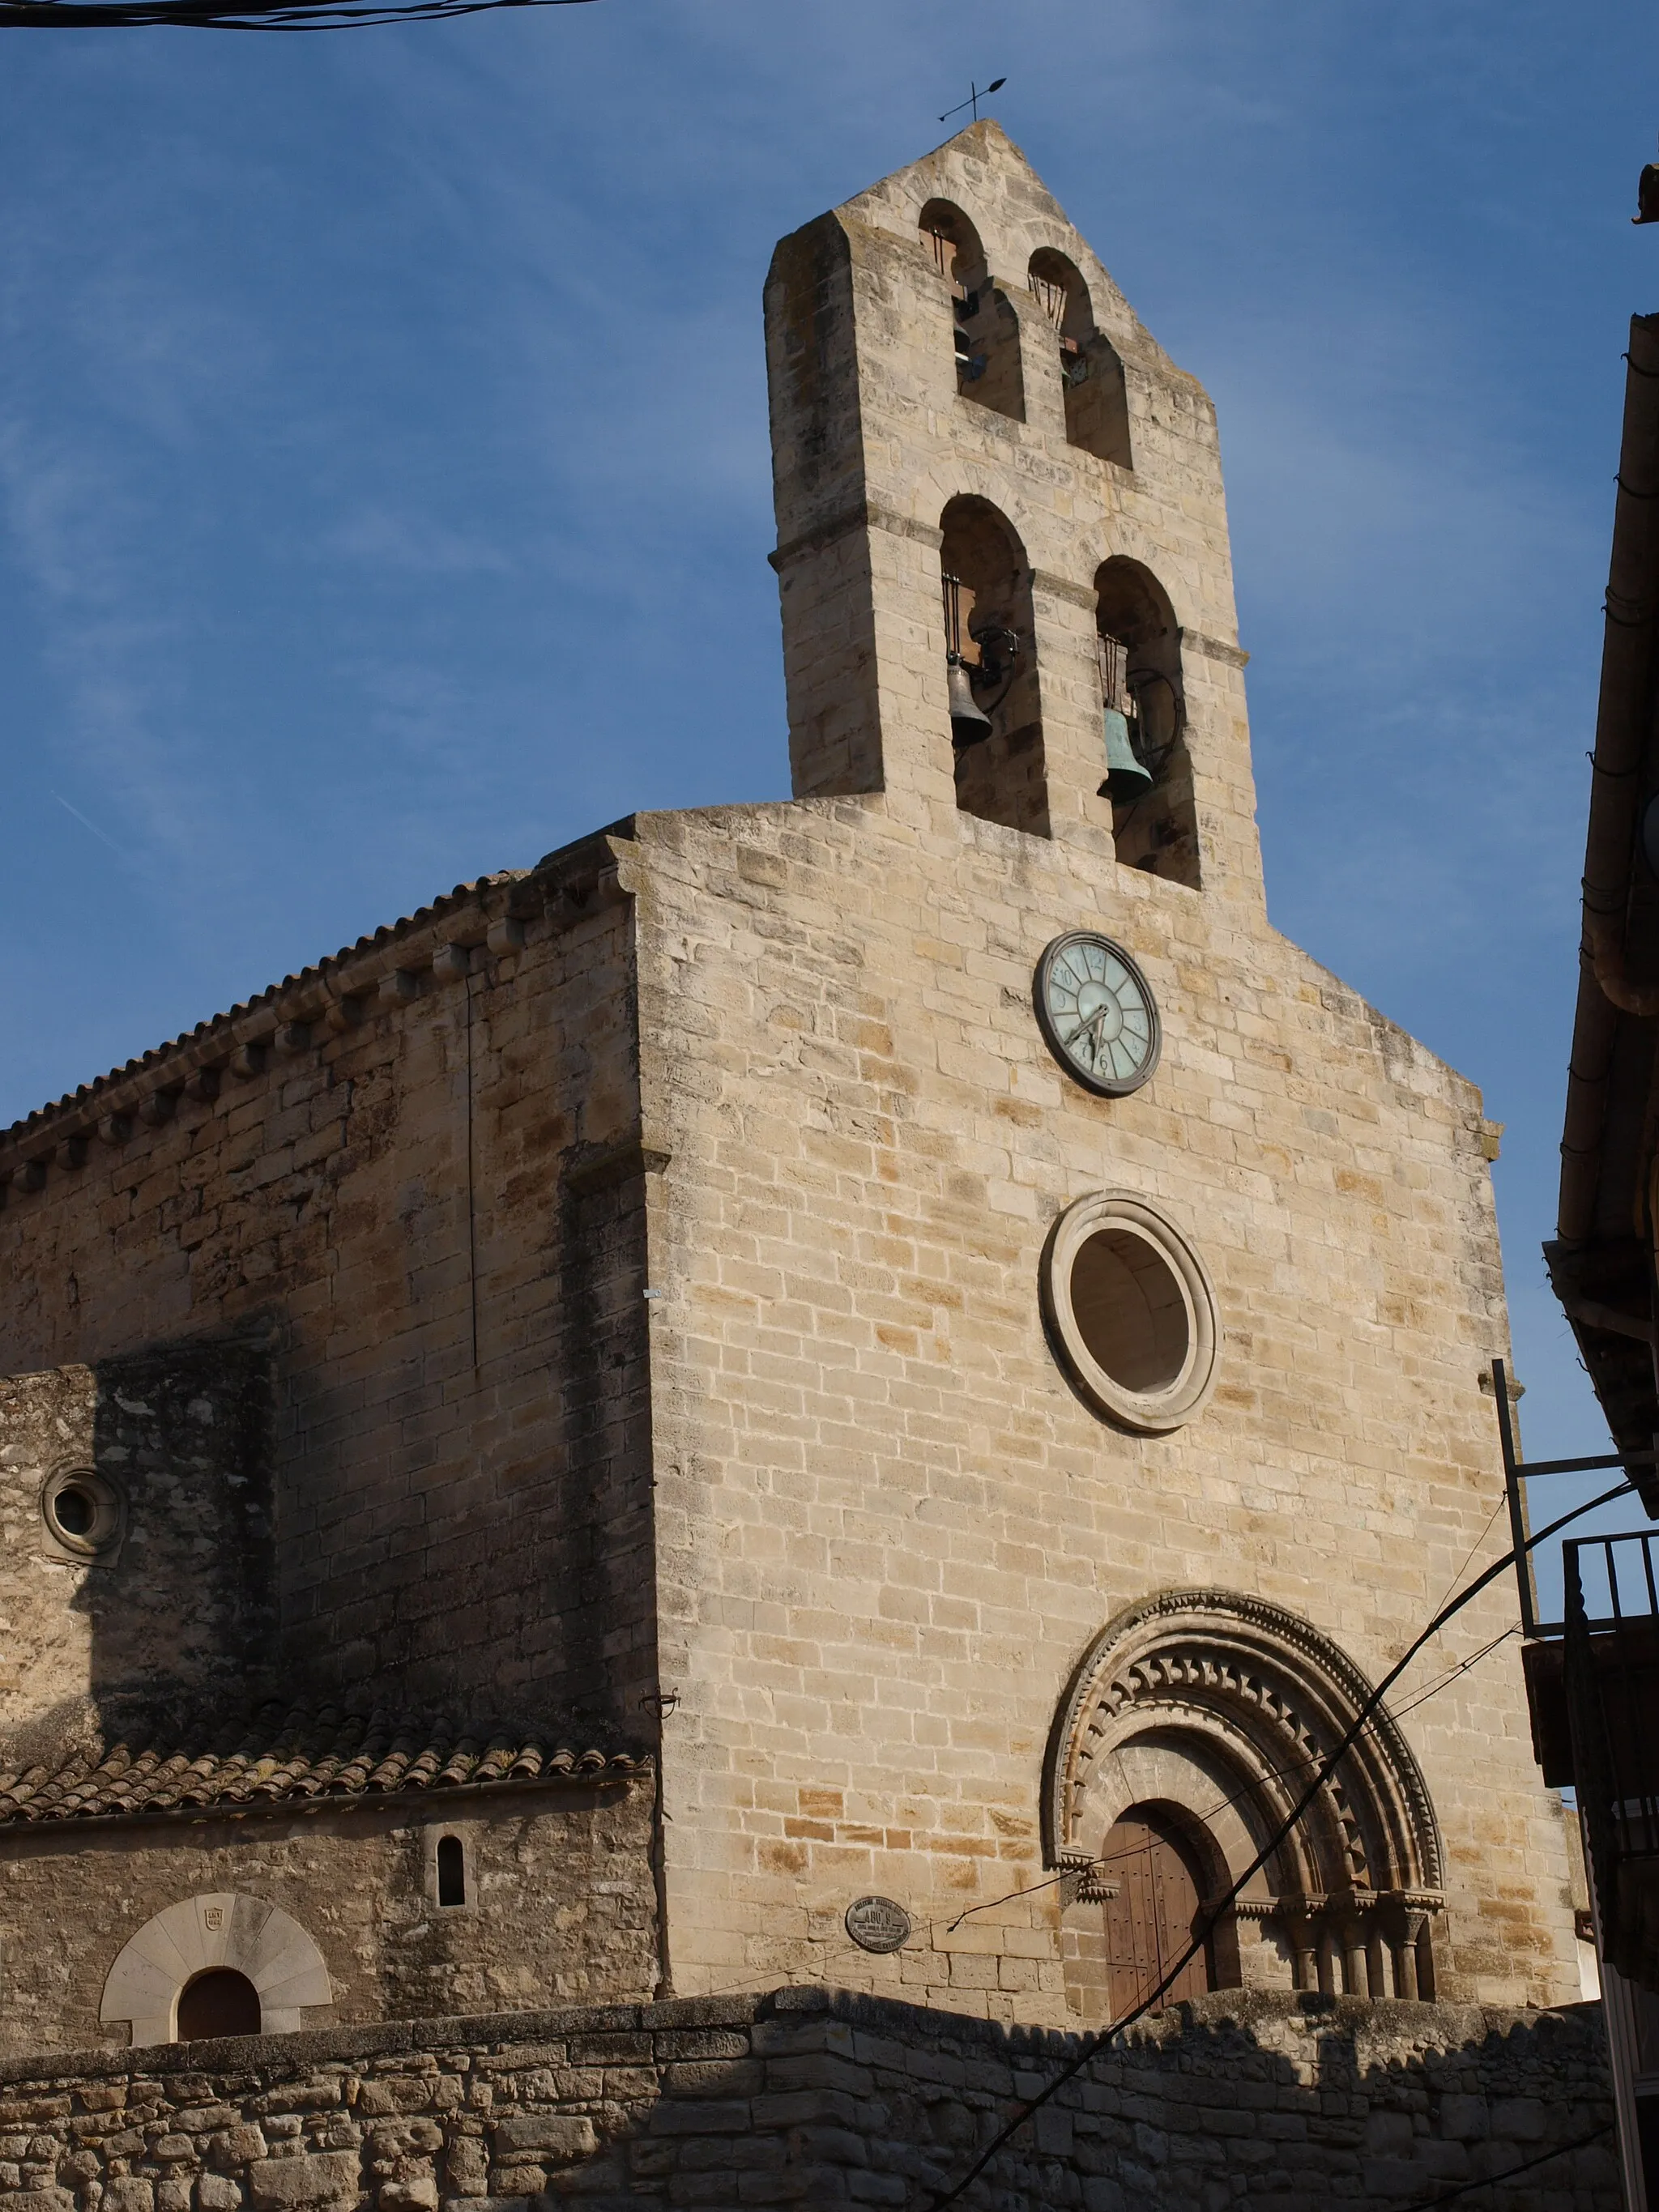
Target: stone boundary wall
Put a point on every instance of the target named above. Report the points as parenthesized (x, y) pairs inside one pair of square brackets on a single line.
[(811, 2098)]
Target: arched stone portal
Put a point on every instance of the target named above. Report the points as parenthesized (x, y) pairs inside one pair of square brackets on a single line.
[(1215, 1710), (180, 1947)]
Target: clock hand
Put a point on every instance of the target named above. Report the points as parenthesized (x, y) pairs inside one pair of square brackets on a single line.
[(1093, 1023)]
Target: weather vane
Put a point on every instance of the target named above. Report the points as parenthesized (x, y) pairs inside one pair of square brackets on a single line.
[(1647, 194), (976, 95)]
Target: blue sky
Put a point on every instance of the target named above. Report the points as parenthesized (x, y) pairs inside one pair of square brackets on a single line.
[(384, 493)]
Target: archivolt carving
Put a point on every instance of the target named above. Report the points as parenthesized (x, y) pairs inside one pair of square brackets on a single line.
[(1257, 1697)]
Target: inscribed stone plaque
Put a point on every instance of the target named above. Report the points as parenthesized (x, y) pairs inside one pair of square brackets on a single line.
[(877, 1924)]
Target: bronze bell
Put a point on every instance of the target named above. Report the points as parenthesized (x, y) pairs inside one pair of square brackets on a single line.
[(969, 724), (1126, 776), (1647, 195)]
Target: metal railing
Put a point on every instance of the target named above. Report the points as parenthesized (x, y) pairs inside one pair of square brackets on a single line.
[(1517, 1473), (1610, 1579), (1611, 1655)]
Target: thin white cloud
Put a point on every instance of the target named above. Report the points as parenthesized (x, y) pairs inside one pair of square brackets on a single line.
[(415, 543)]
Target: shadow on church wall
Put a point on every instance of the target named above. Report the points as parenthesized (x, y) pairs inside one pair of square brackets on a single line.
[(136, 1502)]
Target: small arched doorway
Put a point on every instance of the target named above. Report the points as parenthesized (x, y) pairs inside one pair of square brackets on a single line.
[(245, 1940), (221, 2001), (1155, 1885)]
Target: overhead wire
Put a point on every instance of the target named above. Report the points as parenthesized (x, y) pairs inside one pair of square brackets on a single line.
[(1094, 2045), (252, 15), (1069, 1874), (1491, 2180)]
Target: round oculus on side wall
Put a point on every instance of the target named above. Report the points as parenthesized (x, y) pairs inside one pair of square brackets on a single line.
[(83, 1513), (1131, 1311), (1097, 1014)]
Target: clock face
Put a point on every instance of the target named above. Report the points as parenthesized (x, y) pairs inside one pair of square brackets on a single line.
[(1097, 1013)]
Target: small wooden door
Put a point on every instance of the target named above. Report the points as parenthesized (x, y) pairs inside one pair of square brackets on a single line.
[(1152, 1920)]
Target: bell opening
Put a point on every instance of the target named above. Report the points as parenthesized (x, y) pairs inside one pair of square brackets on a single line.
[(1149, 771), (991, 669)]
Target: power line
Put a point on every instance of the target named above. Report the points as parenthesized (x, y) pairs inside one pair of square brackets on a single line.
[(1095, 2044), (1468, 2188), (253, 15), (1068, 1873), (1249, 1790)]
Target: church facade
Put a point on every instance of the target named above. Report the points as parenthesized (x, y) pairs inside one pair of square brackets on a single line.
[(850, 1390)]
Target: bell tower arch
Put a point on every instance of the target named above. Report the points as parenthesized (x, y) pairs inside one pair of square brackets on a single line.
[(947, 347)]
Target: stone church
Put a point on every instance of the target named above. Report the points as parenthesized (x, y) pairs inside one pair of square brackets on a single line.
[(841, 1391)]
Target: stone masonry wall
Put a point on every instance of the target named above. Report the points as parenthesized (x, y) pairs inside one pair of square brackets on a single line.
[(890, 1527), (561, 1903), (803, 2098), (412, 1176)]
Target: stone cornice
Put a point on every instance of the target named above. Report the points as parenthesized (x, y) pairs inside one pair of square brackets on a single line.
[(437, 944), (868, 515), (1062, 587), (1213, 648)]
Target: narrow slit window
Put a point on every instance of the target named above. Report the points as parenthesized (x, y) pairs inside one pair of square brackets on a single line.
[(452, 1871)]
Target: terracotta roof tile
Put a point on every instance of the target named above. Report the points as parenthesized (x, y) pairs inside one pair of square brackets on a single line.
[(278, 1753)]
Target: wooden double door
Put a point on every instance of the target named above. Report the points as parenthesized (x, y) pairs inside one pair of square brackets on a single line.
[(1152, 1919)]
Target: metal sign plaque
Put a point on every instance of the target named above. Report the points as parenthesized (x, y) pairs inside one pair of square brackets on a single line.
[(878, 1924)]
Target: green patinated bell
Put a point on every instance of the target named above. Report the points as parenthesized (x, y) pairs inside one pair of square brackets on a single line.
[(1127, 779)]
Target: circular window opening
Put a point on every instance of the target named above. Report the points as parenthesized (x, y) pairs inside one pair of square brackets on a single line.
[(74, 1511), (221, 2001), (83, 1512), (1131, 1311)]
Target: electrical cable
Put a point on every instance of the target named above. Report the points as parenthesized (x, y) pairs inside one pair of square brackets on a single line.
[(1468, 2188), (1239, 1796), (1095, 2044), (1462, 1668), (253, 15), (1464, 1569), (1251, 1788)]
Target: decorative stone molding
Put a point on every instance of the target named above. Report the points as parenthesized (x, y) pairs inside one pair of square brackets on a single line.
[(224, 1930), (868, 515), (1130, 1306), (1214, 648), (1260, 1697), (83, 1516), (1062, 587), (1295, 1692)]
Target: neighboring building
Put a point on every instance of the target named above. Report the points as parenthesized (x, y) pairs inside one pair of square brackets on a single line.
[(1595, 1675), (659, 1419)]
